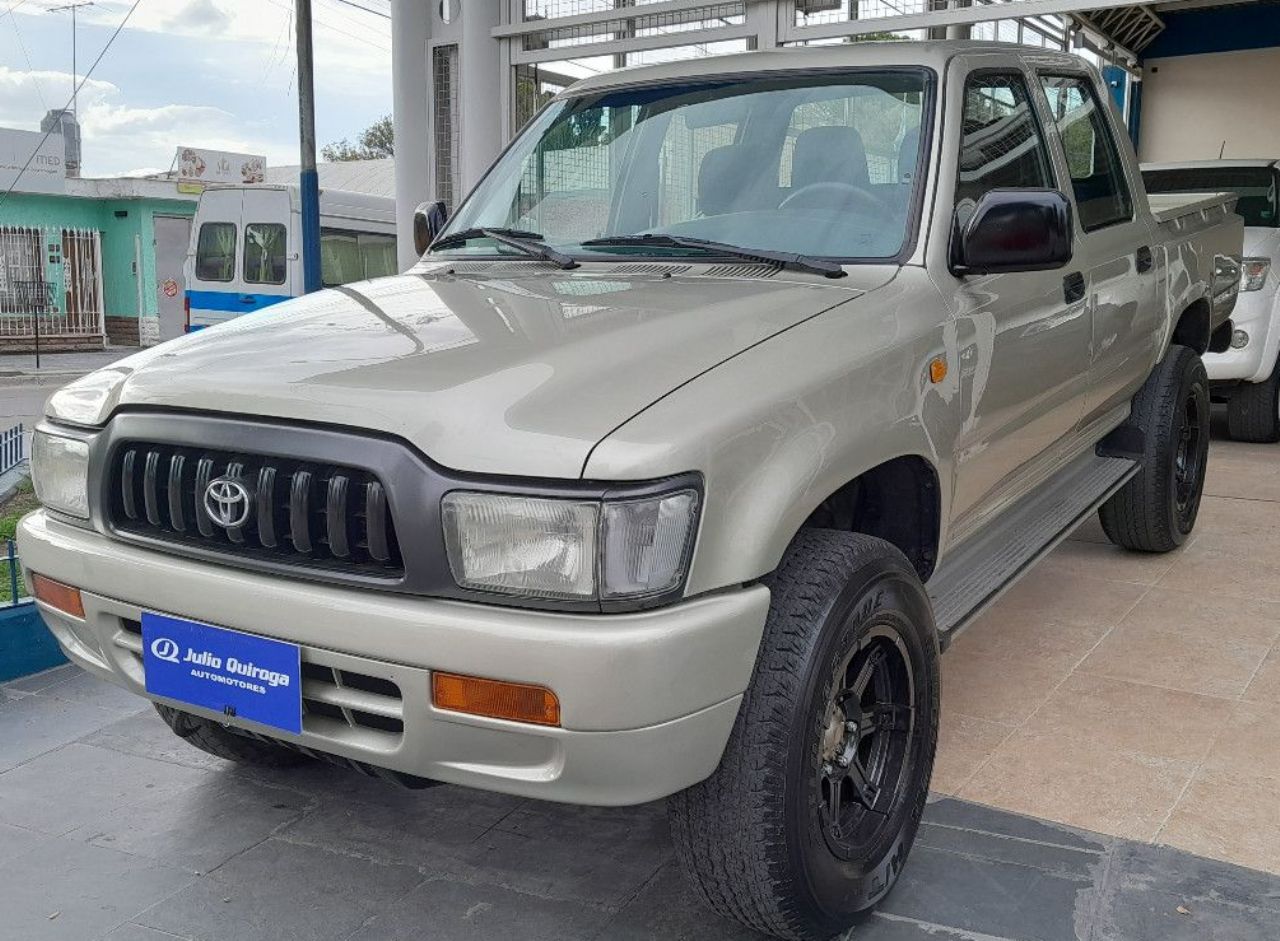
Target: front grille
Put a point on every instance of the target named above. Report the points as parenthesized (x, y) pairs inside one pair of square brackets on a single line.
[(302, 513)]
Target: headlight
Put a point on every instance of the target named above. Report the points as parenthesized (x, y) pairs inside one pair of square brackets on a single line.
[(1253, 273), (565, 549), (60, 473)]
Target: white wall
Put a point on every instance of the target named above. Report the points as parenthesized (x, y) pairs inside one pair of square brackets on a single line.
[(1191, 104)]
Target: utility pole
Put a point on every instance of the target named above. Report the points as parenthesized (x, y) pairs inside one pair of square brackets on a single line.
[(309, 180), (62, 9)]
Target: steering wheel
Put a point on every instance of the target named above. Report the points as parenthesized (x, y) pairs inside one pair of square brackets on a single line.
[(822, 194)]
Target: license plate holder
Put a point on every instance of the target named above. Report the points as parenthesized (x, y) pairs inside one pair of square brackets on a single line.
[(242, 676)]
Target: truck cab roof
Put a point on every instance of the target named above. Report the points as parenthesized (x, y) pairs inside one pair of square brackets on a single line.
[(932, 54)]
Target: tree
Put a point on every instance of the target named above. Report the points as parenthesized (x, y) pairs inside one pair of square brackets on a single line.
[(375, 141)]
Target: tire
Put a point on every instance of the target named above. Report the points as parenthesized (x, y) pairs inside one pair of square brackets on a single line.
[(757, 839), (1253, 411), (216, 739), (1156, 510)]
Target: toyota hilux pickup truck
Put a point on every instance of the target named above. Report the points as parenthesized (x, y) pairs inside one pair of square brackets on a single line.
[(730, 394), (1246, 376)]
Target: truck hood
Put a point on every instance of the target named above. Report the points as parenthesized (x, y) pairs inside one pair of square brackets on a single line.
[(517, 375)]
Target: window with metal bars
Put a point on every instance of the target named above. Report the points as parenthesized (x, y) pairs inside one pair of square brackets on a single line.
[(296, 512)]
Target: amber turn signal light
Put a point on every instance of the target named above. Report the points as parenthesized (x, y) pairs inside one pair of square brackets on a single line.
[(495, 699), (57, 595)]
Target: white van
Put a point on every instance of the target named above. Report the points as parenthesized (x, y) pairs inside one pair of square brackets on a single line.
[(246, 247)]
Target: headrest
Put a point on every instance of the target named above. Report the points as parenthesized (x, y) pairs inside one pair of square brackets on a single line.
[(722, 178), (829, 155)]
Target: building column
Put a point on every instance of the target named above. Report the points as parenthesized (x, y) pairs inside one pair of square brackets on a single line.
[(411, 110), (480, 78)]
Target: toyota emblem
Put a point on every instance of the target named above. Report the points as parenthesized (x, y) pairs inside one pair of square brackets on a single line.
[(226, 502)]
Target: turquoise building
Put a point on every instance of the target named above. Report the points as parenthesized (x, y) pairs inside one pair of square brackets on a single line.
[(97, 263)]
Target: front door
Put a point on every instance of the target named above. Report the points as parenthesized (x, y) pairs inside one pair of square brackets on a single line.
[(171, 238), (1023, 339)]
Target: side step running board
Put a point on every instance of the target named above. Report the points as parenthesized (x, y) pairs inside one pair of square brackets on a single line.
[(975, 574)]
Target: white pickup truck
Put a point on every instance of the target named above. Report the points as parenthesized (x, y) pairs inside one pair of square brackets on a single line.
[(730, 394), (1247, 375)]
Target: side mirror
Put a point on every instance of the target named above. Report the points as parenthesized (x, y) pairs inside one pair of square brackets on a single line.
[(428, 220), (1013, 230)]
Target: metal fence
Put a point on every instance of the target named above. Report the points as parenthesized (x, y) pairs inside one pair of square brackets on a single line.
[(50, 282), (12, 590), (12, 450)]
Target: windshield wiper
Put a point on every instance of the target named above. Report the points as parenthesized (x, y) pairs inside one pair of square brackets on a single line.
[(786, 259), (528, 242)]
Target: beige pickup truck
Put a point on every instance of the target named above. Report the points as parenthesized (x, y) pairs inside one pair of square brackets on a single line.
[(729, 395)]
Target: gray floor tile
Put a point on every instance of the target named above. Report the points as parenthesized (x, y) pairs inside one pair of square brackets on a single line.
[(147, 736), (198, 827), (601, 857), (408, 827), (1051, 858), (16, 842), (78, 784), (90, 888), (666, 908), (277, 891), (1147, 885), (446, 910), (132, 932), (964, 815), (986, 897), (44, 679), (87, 688), (33, 725)]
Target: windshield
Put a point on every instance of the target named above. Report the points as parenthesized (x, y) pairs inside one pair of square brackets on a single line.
[(1256, 187), (825, 164)]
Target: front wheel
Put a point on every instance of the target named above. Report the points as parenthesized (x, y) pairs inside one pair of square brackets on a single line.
[(1156, 510), (808, 820)]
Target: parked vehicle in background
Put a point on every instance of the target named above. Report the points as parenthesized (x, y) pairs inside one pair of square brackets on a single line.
[(1247, 375), (733, 391), (246, 253)]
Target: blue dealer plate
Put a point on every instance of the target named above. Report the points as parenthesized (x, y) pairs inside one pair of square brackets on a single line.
[(238, 675)]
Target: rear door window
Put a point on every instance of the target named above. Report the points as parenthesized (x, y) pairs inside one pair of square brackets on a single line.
[(264, 253), (1097, 176), (216, 252)]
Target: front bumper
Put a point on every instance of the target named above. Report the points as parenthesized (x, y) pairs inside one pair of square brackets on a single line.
[(647, 699), (1255, 314)]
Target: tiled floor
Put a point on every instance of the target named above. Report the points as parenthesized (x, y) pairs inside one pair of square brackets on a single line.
[(113, 829), (1136, 695)]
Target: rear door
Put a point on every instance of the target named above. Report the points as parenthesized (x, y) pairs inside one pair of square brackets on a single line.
[(266, 274), (1116, 263), (213, 274)]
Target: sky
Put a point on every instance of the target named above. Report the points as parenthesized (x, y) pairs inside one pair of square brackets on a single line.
[(218, 74)]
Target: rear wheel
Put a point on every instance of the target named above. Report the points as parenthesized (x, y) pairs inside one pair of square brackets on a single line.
[(1253, 411), (808, 820), (1156, 510), (217, 739)]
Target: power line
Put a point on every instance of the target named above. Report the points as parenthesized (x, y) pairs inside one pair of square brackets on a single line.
[(36, 150), (23, 46), (352, 3)]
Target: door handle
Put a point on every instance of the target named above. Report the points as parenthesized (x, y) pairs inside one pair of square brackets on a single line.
[(1073, 287), (1146, 261), (247, 299)]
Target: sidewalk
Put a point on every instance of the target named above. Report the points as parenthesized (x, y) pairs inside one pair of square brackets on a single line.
[(61, 365)]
